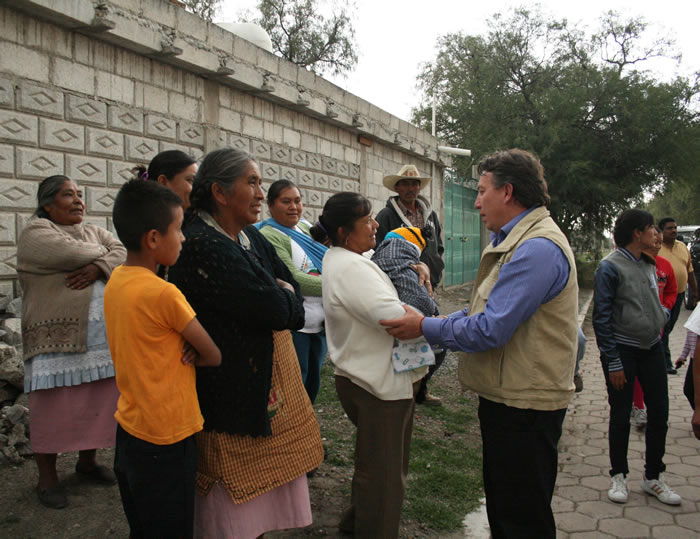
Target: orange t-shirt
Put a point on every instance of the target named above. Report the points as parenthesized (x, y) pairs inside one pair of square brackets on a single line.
[(144, 316)]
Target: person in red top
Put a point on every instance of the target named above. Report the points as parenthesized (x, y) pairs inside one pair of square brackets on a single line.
[(668, 290)]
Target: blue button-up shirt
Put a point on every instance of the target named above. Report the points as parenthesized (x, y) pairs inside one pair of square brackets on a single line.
[(536, 274)]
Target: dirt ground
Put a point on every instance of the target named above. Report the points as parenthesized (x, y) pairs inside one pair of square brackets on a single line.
[(96, 511)]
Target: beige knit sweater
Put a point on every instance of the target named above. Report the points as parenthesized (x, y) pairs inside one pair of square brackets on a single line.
[(54, 317)]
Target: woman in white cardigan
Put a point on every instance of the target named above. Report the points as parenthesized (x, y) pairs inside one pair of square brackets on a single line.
[(379, 401)]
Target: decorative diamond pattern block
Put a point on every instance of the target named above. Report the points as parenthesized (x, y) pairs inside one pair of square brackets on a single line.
[(330, 165), (100, 200), (86, 111), (124, 119), (15, 127), (18, 195), (61, 135), (7, 160), (280, 154), (269, 171), (306, 178), (297, 158), (310, 214), (7, 93), (321, 180), (140, 149), (315, 162), (38, 164), (119, 172), (190, 134), (355, 171), (336, 184), (351, 186), (157, 126), (260, 149), (288, 173), (238, 142), (38, 99), (105, 143), (343, 168), (314, 198), (7, 229), (86, 169)]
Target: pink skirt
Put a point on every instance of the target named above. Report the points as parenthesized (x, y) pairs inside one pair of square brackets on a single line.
[(73, 418), (285, 507)]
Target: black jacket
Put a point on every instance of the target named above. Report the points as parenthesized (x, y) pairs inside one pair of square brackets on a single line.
[(239, 303), (389, 219)]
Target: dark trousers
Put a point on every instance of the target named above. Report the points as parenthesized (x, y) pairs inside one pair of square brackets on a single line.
[(648, 367), (156, 483), (668, 328), (382, 447), (423, 390), (520, 468), (311, 350)]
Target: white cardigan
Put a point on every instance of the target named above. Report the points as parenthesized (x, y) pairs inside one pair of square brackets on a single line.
[(356, 296)]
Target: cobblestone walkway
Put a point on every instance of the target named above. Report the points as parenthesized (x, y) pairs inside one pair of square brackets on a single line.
[(580, 503)]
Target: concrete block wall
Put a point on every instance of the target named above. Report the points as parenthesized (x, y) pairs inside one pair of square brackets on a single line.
[(92, 90)]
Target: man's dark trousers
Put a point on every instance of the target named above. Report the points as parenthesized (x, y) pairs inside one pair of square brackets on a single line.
[(520, 468), (668, 328)]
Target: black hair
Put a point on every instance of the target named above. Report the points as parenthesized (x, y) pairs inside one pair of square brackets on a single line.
[(522, 170), (275, 190), (628, 222), (142, 206), (168, 163), (340, 212), (46, 194), (665, 221), (222, 166)]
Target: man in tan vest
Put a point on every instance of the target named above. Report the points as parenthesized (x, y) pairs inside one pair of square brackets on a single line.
[(519, 335)]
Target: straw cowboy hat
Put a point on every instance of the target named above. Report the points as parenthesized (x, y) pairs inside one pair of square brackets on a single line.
[(407, 172)]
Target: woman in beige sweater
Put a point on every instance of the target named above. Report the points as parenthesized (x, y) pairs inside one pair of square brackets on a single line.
[(62, 265)]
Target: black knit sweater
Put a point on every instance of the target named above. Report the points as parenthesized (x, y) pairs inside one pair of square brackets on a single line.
[(238, 301)]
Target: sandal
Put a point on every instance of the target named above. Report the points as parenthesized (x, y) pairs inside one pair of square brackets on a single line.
[(99, 474), (53, 496)]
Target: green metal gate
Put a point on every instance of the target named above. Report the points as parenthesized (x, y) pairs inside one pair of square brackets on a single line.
[(462, 230)]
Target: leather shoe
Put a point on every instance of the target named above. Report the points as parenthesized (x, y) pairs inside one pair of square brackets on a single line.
[(53, 496), (99, 474), (671, 370)]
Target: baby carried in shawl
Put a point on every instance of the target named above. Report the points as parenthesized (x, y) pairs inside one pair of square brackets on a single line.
[(400, 250)]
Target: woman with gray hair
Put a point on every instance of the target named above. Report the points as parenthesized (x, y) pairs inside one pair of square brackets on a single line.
[(260, 434), (63, 265)]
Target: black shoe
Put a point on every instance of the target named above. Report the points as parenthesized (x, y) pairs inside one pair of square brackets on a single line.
[(53, 497), (578, 383), (671, 370), (98, 474)]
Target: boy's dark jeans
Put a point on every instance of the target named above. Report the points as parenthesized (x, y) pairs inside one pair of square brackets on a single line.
[(649, 368), (156, 483)]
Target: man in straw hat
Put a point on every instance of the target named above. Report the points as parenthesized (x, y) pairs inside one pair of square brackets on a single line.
[(519, 335), (410, 209)]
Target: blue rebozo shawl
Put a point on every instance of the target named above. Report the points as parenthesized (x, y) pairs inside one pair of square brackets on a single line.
[(313, 249)]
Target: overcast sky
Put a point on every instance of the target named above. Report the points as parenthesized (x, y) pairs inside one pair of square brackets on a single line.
[(395, 36)]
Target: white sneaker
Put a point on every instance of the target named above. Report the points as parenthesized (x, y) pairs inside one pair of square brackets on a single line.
[(658, 488), (638, 418), (618, 492)]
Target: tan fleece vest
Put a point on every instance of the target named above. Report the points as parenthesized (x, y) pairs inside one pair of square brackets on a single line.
[(535, 369)]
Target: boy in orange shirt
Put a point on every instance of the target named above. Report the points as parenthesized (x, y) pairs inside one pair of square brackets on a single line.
[(155, 341)]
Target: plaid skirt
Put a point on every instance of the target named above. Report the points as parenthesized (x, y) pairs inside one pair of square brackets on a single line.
[(250, 466)]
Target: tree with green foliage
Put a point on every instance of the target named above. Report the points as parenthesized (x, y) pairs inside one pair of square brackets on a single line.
[(606, 131), (204, 8), (303, 35)]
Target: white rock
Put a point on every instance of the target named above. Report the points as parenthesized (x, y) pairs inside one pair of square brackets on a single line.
[(15, 307), (11, 366), (13, 327)]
